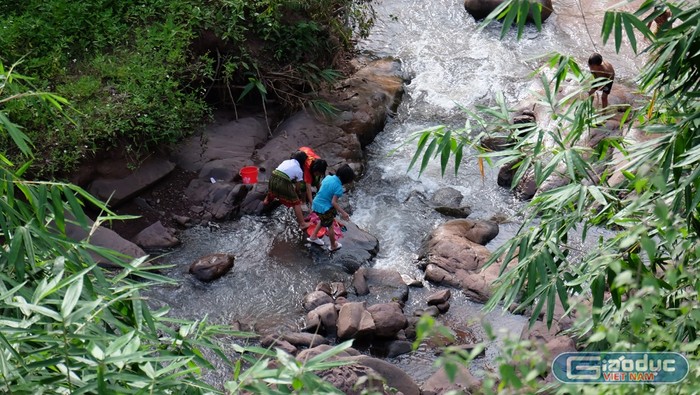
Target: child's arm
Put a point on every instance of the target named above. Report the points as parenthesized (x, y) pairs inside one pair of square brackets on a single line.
[(339, 209), (309, 197)]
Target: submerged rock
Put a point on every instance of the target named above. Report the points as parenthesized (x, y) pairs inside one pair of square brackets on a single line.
[(480, 9), (210, 267)]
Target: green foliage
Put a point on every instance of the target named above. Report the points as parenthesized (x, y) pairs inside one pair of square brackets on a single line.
[(641, 283), (139, 73), (69, 326), (286, 375)]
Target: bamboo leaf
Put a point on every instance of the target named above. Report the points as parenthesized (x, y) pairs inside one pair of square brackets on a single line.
[(71, 297), (428, 155), (618, 32)]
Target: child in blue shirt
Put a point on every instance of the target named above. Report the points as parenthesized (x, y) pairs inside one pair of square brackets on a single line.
[(325, 204)]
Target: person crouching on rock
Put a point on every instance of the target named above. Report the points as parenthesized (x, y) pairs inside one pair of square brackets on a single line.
[(314, 171), (283, 185), (326, 206)]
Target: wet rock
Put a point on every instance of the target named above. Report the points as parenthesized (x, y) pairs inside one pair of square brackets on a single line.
[(395, 377), (252, 204), (328, 316), (447, 196), (359, 282), (315, 299), (468, 348), (439, 382), (313, 322), (354, 321), (480, 9), (185, 222), (340, 301), (410, 331), (506, 174), (431, 311), (449, 248), (447, 201), (439, 297), (388, 319), (338, 290), (325, 288), (368, 97), (391, 349), (381, 282), (412, 282), (456, 212), (303, 339), (222, 200), (354, 380), (478, 285), (497, 143), (272, 341), (156, 236), (443, 307), (305, 355), (210, 267)]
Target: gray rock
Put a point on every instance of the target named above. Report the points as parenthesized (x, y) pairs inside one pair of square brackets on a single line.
[(315, 299), (156, 236), (439, 297)]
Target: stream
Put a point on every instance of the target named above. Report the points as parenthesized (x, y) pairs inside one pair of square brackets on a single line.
[(449, 62)]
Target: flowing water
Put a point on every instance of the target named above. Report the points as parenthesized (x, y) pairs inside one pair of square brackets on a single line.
[(450, 62)]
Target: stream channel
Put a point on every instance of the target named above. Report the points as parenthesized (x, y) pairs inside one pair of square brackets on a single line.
[(449, 62)]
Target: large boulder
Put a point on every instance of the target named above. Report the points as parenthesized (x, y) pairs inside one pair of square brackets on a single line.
[(439, 382), (380, 282), (354, 321), (480, 9), (115, 187)]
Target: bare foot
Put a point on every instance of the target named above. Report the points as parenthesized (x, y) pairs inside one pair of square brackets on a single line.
[(304, 225)]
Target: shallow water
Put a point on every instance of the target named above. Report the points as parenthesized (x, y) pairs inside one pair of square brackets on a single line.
[(450, 62)]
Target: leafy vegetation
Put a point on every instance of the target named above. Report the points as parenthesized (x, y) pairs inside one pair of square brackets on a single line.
[(641, 284), (67, 326), (143, 74)]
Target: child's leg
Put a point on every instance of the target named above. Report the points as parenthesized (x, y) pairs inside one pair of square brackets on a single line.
[(331, 236), (604, 99), (300, 217), (316, 229)]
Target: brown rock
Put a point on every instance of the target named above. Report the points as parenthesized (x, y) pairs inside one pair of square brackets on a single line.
[(211, 267), (439, 297)]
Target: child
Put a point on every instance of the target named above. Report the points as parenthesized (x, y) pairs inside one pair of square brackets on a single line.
[(660, 20), (282, 185), (326, 206), (601, 69), (314, 171)]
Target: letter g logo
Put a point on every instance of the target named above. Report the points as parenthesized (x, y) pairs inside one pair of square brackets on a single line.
[(579, 367)]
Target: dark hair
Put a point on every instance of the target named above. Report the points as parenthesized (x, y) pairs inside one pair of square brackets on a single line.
[(301, 158), (345, 174), (319, 166), (595, 59)]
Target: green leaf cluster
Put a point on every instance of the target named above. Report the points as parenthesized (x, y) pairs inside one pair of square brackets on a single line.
[(69, 326), (635, 285), (141, 75)]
